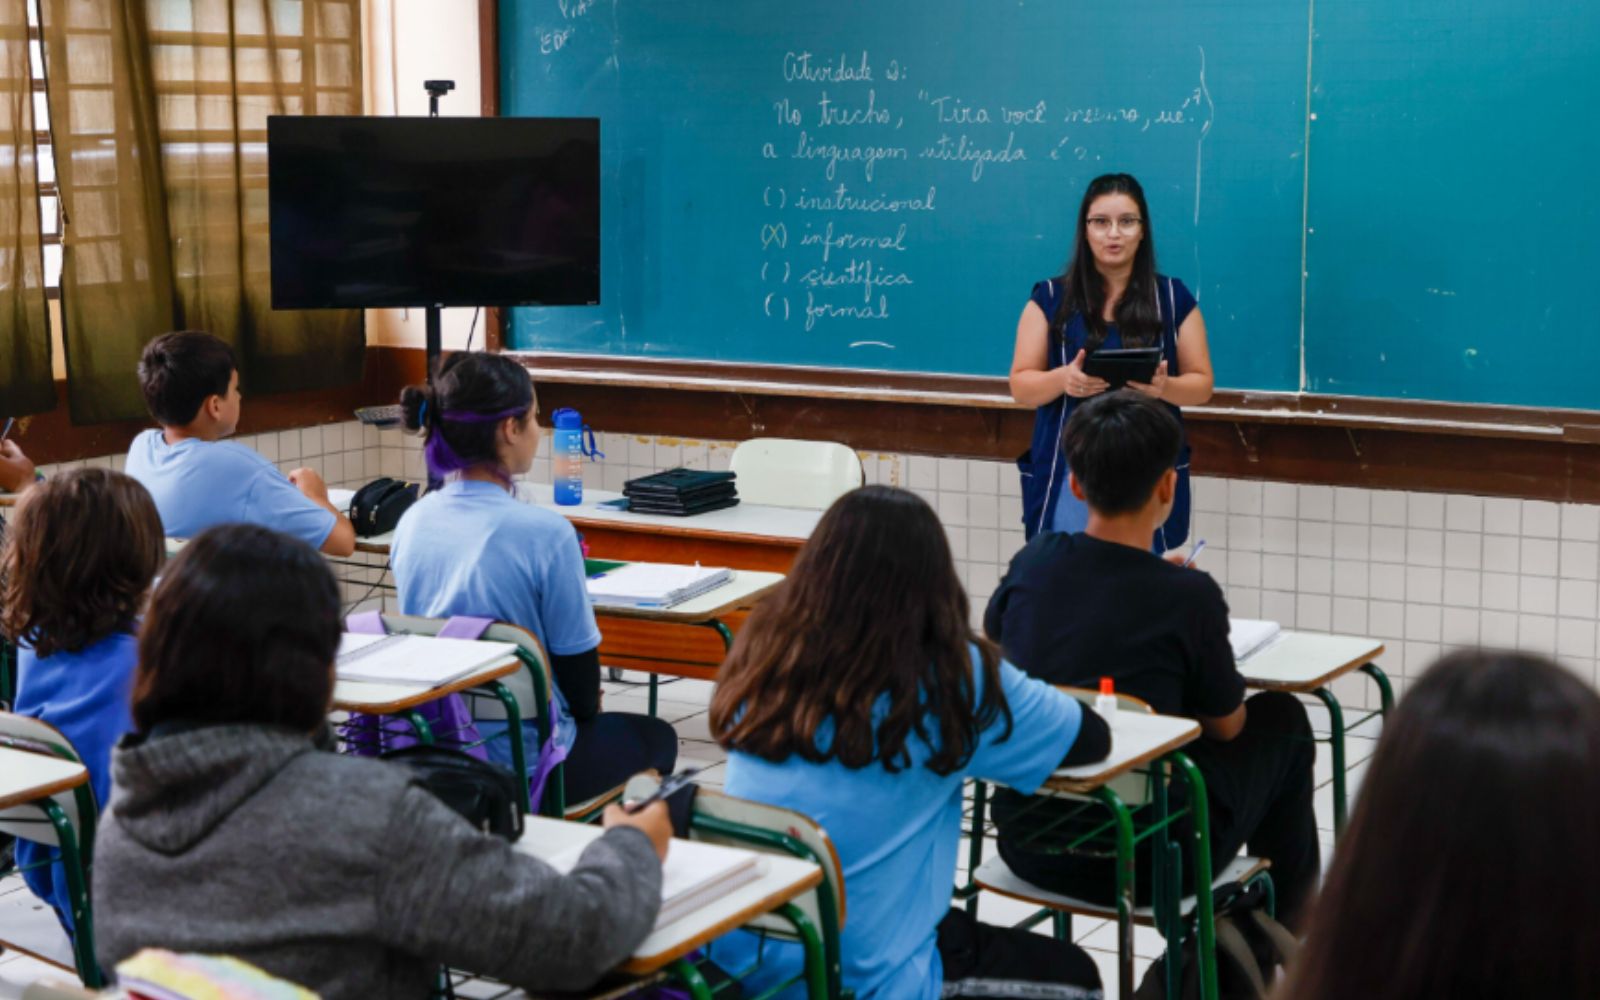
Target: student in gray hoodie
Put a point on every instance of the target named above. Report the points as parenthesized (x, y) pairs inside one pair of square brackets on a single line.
[(230, 831)]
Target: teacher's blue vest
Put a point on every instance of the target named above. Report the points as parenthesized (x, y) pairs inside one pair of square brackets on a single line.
[(1043, 466)]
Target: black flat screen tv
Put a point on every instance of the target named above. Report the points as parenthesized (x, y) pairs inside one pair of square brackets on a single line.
[(388, 212)]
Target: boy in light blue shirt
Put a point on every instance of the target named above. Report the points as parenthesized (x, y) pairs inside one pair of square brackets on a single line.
[(191, 385)]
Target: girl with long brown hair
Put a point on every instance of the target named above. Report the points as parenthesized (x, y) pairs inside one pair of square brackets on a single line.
[(1463, 872), (81, 552), (859, 695)]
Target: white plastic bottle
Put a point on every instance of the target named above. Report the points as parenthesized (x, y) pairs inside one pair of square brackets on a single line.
[(1105, 703)]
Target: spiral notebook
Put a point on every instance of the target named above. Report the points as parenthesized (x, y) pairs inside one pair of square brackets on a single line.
[(421, 660), (694, 874), (654, 585)]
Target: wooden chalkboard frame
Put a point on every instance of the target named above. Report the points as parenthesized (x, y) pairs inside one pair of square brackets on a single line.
[(1376, 443)]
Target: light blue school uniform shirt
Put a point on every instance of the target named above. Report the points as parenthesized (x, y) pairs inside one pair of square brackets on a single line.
[(88, 696), (197, 484), (897, 835), (470, 548)]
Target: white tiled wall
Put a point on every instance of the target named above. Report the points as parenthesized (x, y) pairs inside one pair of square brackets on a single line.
[(1424, 572)]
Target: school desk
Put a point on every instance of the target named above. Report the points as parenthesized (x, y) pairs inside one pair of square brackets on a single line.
[(782, 879), (404, 699), (1139, 742), (9, 499), (1307, 663), (711, 610), (30, 926)]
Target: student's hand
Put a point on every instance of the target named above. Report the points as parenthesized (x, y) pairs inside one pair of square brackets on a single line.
[(309, 482), (1176, 558), (16, 471), (1075, 383), (652, 819), (1157, 386)]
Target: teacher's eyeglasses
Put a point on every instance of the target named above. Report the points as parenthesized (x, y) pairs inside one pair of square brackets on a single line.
[(1101, 225)]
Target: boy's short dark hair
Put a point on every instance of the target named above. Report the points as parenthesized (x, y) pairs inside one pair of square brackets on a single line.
[(178, 371), (1119, 445), (243, 628)]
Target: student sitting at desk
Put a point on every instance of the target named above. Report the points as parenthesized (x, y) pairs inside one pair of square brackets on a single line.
[(858, 695), (231, 832), (1077, 607), (191, 386), (1467, 868), (472, 548), (83, 549)]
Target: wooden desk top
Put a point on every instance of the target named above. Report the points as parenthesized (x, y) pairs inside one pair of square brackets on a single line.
[(1136, 740), (742, 592), (29, 777), (1301, 662), (747, 520), (9, 499), (387, 699), (782, 879)]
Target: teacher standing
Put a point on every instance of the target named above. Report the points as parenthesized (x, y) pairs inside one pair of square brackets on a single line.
[(1110, 297)]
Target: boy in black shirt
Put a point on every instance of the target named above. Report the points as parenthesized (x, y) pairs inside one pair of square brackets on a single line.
[(1075, 608)]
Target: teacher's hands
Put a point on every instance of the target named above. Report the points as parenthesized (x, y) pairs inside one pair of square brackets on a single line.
[(1076, 383), (1157, 386)]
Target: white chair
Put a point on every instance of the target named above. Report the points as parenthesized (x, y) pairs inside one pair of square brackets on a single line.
[(780, 472), (65, 821)]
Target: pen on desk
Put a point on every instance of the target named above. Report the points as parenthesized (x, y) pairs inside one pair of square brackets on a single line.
[(1197, 547)]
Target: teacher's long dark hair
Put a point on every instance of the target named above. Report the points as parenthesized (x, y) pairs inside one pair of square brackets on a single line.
[(1469, 866), (871, 608), (1138, 314)]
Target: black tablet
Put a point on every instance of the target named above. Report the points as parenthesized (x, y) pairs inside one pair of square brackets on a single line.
[(1118, 368)]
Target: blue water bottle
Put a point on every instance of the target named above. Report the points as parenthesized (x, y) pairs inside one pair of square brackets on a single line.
[(568, 448)]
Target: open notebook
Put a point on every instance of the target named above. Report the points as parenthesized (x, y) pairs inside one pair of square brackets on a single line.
[(1248, 636), (694, 875), (654, 585), (421, 660)]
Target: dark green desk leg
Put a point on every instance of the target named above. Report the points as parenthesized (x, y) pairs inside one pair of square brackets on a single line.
[(1125, 887), (418, 723), (1385, 690), (727, 643), (1205, 916), (698, 987), (519, 753), (980, 806)]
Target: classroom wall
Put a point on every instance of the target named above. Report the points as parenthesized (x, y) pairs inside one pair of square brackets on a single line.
[(407, 42), (1425, 572)]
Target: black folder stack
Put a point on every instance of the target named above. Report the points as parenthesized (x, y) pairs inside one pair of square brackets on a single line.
[(681, 492)]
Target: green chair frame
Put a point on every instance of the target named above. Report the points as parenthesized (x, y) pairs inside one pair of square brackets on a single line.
[(814, 921), (71, 821), (1141, 787)]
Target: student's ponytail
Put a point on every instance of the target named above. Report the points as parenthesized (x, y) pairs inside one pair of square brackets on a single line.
[(460, 414)]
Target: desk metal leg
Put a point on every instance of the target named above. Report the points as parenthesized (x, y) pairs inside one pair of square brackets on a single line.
[(698, 987), (519, 753), (1385, 689), (418, 723), (816, 967), (1125, 888), (1205, 916), (1336, 745), (980, 806)]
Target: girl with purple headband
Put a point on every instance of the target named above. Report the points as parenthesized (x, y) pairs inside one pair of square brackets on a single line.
[(471, 548)]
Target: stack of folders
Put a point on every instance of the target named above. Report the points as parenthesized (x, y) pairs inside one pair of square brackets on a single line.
[(694, 875), (416, 660), (654, 585), (1248, 636), (681, 492)]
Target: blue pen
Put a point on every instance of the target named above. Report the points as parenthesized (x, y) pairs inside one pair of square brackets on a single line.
[(7, 432), (1197, 547)]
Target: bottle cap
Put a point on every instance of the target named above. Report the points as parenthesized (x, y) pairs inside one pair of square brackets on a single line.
[(566, 419), (1106, 686)]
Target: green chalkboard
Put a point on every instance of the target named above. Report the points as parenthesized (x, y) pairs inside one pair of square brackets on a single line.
[(1453, 208), (878, 185)]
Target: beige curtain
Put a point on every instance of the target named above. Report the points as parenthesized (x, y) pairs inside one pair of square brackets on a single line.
[(159, 113), (26, 382)]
